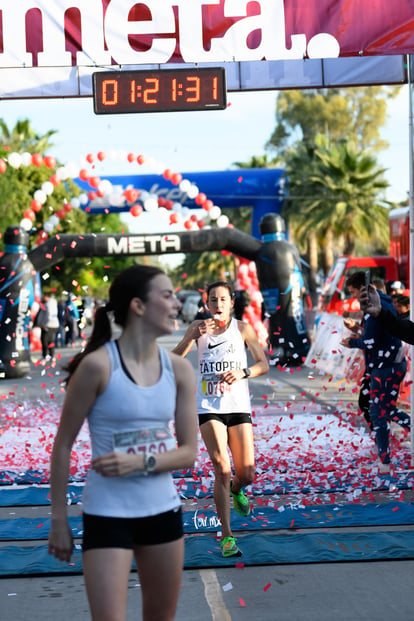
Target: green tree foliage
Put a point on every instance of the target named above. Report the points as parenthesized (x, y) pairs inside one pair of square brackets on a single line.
[(336, 198), (328, 140), (199, 269), (356, 112), (17, 187)]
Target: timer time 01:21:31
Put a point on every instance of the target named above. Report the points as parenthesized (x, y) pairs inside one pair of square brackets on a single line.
[(159, 91)]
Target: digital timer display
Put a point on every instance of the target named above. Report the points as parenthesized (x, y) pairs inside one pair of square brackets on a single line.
[(163, 90)]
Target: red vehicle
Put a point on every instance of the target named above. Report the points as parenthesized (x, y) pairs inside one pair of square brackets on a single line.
[(335, 298)]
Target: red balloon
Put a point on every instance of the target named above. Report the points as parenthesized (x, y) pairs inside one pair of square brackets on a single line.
[(54, 179), (83, 174), (67, 207), (101, 156), (36, 205), (187, 224), (173, 218), (29, 214), (49, 161), (193, 218), (131, 195), (61, 213), (168, 173), (140, 159), (168, 204), (37, 159), (100, 193), (94, 181), (3, 166), (161, 201), (90, 158), (208, 204), (91, 195), (42, 237), (200, 198), (131, 157), (201, 224), (176, 178), (136, 210)]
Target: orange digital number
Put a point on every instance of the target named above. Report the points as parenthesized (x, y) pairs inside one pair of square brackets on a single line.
[(195, 89), (151, 91), (215, 88), (109, 99)]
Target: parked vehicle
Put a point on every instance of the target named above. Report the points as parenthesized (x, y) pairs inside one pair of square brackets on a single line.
[(183, 294), (335, 297), (190, 308)]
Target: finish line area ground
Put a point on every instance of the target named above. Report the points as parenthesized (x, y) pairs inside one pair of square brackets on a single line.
[(321, 511)]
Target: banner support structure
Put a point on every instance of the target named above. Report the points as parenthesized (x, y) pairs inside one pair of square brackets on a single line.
[(411, 240)]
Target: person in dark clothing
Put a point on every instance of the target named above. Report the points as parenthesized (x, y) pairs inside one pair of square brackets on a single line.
[(241, 300), (396, 325), (386, 364), (364, 390)]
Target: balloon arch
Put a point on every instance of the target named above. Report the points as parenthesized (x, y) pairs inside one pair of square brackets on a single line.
[(270, 269)]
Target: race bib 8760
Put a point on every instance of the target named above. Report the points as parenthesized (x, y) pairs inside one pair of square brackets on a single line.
[(152, 440)]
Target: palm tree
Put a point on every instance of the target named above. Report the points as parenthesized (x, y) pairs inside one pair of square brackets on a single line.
[(24, 138), (340, 191)]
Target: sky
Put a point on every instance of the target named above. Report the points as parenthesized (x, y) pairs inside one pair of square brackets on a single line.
[(186, 141)]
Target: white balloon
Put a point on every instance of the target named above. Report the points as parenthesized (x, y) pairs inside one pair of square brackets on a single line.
[(214, 212), (185, 211), (83, 199), (193, 191), (54, 220), (222, 221), (151, 204), (116, 199), (14, 159), (48, 187), (185, 185), (105, 186), (177, 207), (40, 196), (75, 202), (26, 224), (26, 158), (144, 195), (48, 226), (62, 173)]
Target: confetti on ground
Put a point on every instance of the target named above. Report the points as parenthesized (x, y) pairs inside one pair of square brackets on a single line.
[(301, 453)]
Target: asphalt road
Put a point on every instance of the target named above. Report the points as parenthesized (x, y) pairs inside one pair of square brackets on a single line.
[(342, 591)]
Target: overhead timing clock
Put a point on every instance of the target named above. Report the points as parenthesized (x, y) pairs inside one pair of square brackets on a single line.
[(162, 90)]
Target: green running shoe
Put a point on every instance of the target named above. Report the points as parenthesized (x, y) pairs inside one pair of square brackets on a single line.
[(229, 547), (241, 503)]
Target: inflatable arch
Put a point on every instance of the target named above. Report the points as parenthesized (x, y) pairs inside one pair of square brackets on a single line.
[(277, 263), (261, 188)]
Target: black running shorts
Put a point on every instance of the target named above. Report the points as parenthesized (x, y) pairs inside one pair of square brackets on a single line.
[(115, 532), (229, 420)]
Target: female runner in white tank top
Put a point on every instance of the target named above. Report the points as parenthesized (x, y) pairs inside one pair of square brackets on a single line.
[(131, 505), (223, 401)]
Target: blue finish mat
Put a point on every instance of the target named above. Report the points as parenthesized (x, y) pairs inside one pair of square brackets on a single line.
[(264, 518), (258, 549), (332, 483)]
